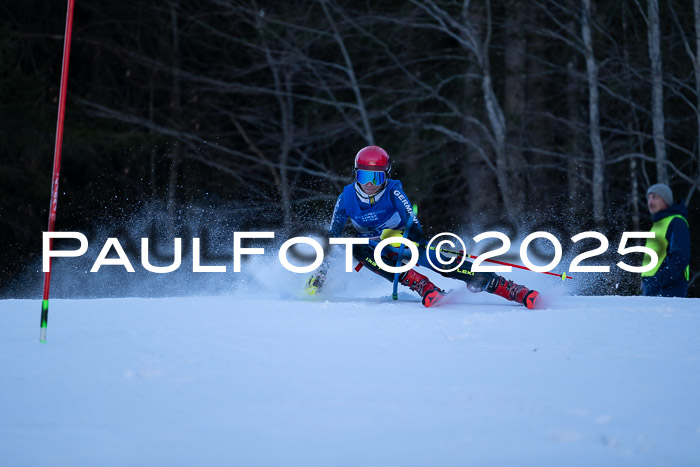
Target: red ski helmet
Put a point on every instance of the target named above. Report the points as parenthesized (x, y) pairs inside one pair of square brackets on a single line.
[(373, 158)]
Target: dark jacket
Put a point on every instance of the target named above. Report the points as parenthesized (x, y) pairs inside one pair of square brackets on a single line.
[(671, 279)]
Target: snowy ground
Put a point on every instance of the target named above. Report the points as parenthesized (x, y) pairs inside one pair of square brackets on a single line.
[(351, 379)]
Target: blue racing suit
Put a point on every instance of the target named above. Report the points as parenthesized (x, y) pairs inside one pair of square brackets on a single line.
[(389, 209), (370, 215)]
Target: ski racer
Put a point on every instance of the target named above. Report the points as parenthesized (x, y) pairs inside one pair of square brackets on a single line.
[(378, 207)]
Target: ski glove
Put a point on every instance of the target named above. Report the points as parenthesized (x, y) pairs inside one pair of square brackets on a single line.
[(388, 233)]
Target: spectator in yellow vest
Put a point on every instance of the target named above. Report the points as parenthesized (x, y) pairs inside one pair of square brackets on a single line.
[(669, 278)]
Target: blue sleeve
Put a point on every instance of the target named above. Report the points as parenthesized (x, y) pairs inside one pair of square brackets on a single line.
[(405, 209), (340, 217), (677, 254)]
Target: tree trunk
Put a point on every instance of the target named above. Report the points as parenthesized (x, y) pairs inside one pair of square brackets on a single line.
[(696, 8), (573, 167), (282, 93), (634, 194), (494, 111), (657, 93), (175, 106), (287, 145), (598, 179), (537, 131), (350, 69), (498, 126), (514, 102)]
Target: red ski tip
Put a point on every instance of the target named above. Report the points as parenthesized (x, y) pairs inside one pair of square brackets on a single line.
[(531, 299)]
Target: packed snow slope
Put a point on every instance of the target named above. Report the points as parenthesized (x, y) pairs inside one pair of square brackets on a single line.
[(351, 378)]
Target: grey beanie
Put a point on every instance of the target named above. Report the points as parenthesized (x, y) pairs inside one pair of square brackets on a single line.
[(662, 190)]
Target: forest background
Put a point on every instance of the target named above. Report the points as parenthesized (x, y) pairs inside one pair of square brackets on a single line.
[(548, 115)]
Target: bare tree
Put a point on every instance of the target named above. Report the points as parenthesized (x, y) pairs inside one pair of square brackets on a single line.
[(696, 66), (350, 70), (177, 153), (657, 93), (694, 57), (514, 101), (467, 33), (573, 165), (598, 179)]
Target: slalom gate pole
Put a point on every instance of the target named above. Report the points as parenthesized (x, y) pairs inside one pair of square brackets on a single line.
[(460, 253), (399, 260), (57, 161)]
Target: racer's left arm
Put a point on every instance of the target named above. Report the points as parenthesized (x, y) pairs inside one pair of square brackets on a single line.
[(405, 209)]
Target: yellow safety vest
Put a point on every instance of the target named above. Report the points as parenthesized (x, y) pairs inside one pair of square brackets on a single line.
[(659, 244)]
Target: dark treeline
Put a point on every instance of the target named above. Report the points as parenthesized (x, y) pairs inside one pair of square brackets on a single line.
[(519, 112)]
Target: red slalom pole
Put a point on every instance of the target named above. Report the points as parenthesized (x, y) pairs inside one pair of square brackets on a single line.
[(57, 161), (562, 275), (460, 253)]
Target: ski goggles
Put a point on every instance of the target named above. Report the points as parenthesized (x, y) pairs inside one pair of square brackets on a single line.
[(370, 176)]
